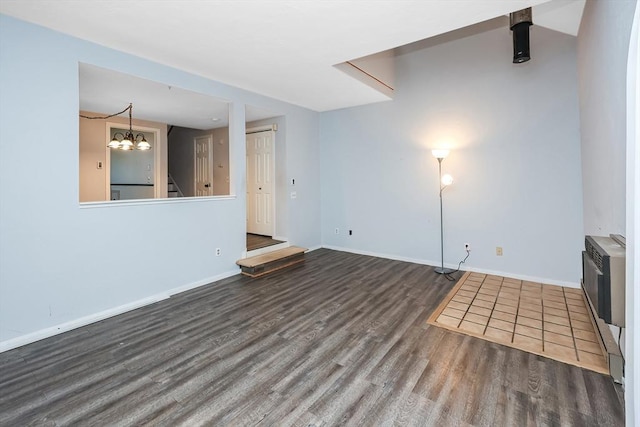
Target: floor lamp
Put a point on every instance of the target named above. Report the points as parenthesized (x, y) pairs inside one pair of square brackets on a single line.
[(444, 182)]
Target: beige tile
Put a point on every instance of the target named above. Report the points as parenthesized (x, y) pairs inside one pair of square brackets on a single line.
[(553, 304), (529, 332), (558, 329), (449, 321), (556, 319), (492, 286), (559, 351), (585, 335), (529, 313), (481, 303), (498, 335), (534, 302), (492, 283), (531, 307), (506, 308), (472, 327), (585, 326), (556, 312), (528, 284), (476, 318), (552, 288), (488, 291), (485, 297), (452, 312), (532, 323), (588, 346), (509, 294), (533, 295), (580, 317), (469, 288), (507, 301), (501, 324), (527, 343), (458, 305), (480, 310), (573, 291), (501, 315), (573, 308), (592, 360), (572, 296), (557, 339), (553, 298), (510, 285), (462, 299), (480, 276), (467, 294)]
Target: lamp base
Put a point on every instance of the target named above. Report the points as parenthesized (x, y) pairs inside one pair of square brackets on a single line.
[(441, 270)]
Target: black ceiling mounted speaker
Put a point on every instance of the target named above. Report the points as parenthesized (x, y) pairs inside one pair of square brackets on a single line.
[(519, 22)]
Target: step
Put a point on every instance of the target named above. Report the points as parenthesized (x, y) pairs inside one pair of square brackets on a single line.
[(260, 265)]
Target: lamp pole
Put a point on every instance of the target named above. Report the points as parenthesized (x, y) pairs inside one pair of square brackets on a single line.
[(441, 269)]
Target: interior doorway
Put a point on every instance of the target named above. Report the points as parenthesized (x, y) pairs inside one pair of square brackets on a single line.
[(203, 155), (266, 181), (260, 181)]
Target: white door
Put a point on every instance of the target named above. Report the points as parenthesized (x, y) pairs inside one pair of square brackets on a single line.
[(203, 165), (260, 185)]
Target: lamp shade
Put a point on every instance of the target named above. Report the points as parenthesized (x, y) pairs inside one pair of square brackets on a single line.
[(447, 180), (440, 154)]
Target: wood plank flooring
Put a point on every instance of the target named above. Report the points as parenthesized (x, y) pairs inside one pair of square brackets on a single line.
[(256, 241), (342, 339)]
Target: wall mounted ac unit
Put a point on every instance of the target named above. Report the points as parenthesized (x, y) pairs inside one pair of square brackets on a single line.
[(603, 272)]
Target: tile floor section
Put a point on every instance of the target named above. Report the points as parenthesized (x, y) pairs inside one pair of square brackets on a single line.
[(548, 320)]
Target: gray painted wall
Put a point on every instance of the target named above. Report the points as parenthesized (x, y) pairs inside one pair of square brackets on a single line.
[(514, 135), (603, 44), (56, 257)]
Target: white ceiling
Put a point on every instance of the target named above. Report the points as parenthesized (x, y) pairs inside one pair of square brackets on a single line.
[(285, 49)]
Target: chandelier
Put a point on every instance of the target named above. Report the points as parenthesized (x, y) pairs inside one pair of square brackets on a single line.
[(125, 141)]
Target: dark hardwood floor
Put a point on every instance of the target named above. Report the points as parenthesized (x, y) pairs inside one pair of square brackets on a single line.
[(340, 339), (256, 241)]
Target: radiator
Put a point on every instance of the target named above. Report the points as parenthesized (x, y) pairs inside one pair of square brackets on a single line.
[(603, 274)]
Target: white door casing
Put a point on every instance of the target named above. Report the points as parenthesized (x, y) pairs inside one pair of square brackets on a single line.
[(260, 183), (203, 150)]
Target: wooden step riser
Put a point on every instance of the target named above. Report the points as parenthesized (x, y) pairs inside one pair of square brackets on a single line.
[(270, 267)]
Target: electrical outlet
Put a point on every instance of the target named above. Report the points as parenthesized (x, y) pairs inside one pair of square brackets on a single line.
[(218, 251), (337, 230), (499, 250), (467, 247)]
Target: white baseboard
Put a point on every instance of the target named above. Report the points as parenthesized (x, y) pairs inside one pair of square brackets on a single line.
[(102, 315), (454, 266)]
